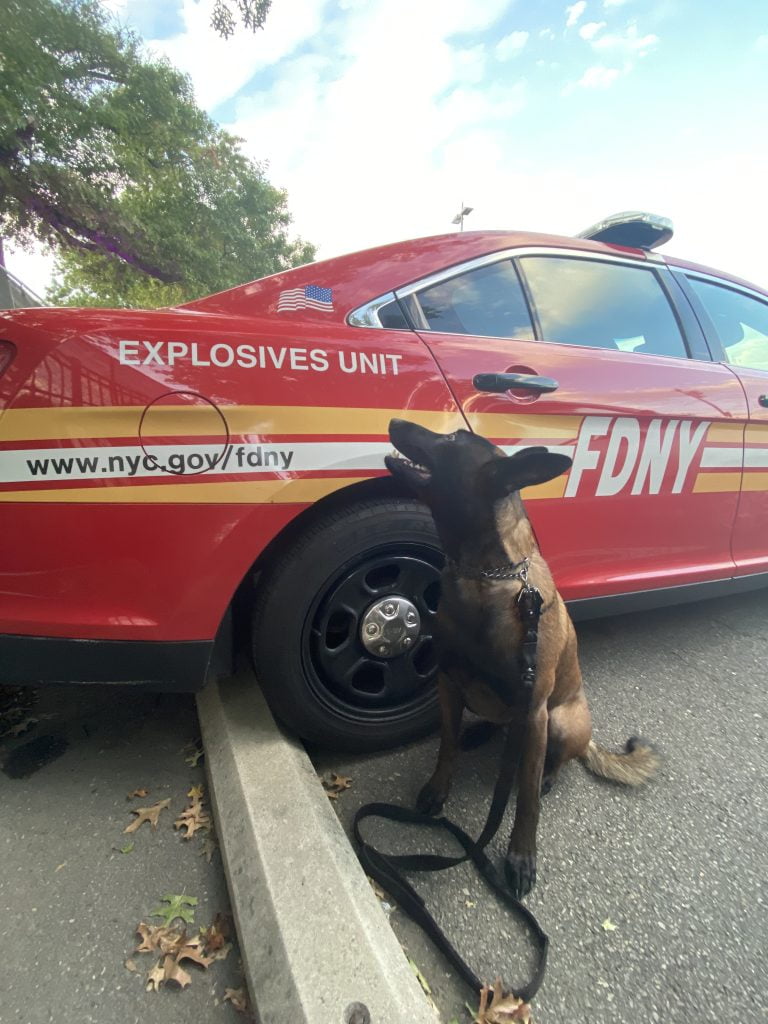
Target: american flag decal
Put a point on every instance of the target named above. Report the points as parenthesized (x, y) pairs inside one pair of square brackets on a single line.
[(311, 296)]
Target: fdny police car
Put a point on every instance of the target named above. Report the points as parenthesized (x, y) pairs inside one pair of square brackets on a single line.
[(160, 469)]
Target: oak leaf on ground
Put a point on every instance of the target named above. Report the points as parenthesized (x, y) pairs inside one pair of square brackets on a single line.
[(237, 997), (137, 792), (150, 814), (179, 905), (156, 977), (195, 816), (336, 784), (501, 1009), (173, 972)]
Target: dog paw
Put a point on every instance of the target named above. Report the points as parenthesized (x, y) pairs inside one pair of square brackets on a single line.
[(431, 799), (520, 871)]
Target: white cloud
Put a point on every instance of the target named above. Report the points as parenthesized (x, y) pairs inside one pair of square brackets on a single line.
[(358, 173), (574, 12), (511, 45), (597, 77), (629, 42), (591, 28), (613, 3), (546, 33), (761, 44)]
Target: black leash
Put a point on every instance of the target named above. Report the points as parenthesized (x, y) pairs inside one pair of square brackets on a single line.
[(386, 868)]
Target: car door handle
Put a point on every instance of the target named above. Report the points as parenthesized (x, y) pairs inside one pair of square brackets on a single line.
[(763, 400), (498, 382)]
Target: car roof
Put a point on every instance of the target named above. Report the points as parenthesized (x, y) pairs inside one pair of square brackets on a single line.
[(357, 277)]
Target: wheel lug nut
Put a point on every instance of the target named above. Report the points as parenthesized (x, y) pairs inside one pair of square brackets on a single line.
[(389, 608), (382, 648), (407, 641), (372, 629)]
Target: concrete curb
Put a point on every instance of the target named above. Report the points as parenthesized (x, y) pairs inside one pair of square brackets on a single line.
[(313, 937)]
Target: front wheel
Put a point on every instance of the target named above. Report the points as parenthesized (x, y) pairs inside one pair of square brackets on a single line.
[(343, 624)]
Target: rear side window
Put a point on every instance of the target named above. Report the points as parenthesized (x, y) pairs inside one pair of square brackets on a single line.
[(602, 305), (488, 301), (740, 321)]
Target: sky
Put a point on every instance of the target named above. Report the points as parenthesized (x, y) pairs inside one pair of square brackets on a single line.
[(381, 117)]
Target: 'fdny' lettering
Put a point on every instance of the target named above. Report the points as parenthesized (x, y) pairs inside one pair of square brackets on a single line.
[(615, 448)]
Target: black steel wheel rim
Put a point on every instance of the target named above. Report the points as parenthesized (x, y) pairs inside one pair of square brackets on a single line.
[(343, 675)]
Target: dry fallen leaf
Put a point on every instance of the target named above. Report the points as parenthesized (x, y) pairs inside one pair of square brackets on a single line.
[(195, 816), (137, 792), (156, 977), (237, 997), (216, 935), (336, 784), (502, 1009), (131, 965), (378, 891), (173, 972), (195, 753), (608, 925), (150, 814)]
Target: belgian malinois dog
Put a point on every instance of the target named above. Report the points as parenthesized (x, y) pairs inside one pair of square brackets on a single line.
[(473, 491)]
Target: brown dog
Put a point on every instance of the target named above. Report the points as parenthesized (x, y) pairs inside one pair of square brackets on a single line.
[(473, 491)]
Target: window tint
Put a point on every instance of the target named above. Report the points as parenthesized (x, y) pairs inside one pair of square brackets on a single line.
[(604, 305), (488, 301), (392, 316), (741, 323)]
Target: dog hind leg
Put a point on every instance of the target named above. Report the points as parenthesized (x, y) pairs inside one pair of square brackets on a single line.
[(568, 733)]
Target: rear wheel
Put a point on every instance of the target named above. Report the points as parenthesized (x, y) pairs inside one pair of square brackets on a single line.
[(343, 624)]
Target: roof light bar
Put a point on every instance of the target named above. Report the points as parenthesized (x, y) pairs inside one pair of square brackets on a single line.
[(633, 228)]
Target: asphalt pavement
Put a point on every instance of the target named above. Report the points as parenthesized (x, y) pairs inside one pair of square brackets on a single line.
[(69, 898), (654, 900)]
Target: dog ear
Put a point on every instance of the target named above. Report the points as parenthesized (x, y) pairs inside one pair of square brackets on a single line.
[(526, 468)]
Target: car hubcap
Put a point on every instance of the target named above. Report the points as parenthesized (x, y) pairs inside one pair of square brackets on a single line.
[(390, 626), (367, 640)]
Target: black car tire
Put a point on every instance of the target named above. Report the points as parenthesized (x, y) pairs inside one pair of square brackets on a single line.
[(303, 627)]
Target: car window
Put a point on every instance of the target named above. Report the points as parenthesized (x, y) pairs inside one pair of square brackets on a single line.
[(740, 321), (603, 305), (488, 301)]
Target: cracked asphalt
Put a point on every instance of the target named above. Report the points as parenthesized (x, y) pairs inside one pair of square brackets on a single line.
[(679, 867)]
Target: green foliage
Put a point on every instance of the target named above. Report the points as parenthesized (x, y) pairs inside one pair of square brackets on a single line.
[(253, 14), (178, 907), (105, 155)]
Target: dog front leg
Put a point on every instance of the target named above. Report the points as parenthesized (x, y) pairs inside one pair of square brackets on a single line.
[(520, 865), (434, 794)]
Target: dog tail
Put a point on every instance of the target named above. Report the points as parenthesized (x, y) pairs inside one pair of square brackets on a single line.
[(635, 766)]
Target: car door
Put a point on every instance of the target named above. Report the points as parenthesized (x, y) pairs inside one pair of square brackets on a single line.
[(637, 414), (740, 320)]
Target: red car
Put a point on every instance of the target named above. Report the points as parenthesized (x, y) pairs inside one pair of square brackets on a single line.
[(162, 473)]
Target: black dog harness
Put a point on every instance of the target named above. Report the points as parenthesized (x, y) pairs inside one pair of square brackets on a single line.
[(386, 868)]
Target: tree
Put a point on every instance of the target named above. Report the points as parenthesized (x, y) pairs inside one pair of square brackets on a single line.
[(253, 14), (105, 155)]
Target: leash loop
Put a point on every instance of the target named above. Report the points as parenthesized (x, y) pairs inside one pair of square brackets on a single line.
[(386, 870)]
